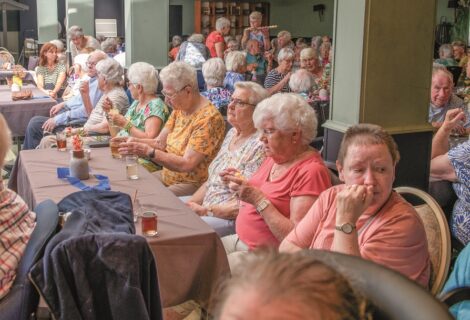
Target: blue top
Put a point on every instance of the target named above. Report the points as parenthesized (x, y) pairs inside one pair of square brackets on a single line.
[(460, 159), (220, 97), (74, 109), (231, 78)]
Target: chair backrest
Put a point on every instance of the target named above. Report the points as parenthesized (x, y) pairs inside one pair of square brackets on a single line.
[(456, 71), (392, 295), (437, 234)]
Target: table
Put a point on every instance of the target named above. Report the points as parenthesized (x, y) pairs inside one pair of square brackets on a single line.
[(18, 113), (189, 254)]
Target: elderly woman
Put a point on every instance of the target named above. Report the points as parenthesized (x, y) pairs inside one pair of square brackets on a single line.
[(277, 79), (283, 40), (310, 62), (301, 82), (191, 137), (214, 72), (17, 222), (446, 56), (50, 73), (453, 165), (60, 50), (236, 68), (109, 46), (215, 40), (288, 182), (365, 217), (241, 150), (257, 32), (148, 113), (269, 285), (79, 42), (325, 53), (194, 53), (109, 74)]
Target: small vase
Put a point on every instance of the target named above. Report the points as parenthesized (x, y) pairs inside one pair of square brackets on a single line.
[(79, 165)]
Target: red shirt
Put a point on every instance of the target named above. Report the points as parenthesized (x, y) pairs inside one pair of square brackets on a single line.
[(308, 177), (213, 38)]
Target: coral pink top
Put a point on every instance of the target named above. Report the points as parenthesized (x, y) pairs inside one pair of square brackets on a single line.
[(308, 177), (395, 237), (213, 38)]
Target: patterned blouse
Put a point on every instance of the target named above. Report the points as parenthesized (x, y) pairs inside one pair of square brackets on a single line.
[(231, 78), (17, 223), (220, 97), (51, 76), (246, 159), (460, 222), (203, 131)]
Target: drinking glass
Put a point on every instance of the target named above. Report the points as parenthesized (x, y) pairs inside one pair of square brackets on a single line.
[(149, 223), (61, 141), (132, 167)]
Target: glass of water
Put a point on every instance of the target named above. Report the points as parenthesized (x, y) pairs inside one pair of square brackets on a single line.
[(132, 167)]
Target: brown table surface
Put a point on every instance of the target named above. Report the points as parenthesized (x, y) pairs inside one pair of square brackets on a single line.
[(189, 254), (18, 113)]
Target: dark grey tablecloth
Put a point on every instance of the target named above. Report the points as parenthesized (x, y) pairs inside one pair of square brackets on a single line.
[(189, 254), (18, 113)]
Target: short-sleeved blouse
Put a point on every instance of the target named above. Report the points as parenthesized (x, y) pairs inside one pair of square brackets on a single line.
[(213, 38), (155, 108), (245, 159), (203, 132), (231, 78), (460, 159), (273, 78)]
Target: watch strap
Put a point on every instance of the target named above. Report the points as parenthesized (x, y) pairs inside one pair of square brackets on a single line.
[(151, 154)]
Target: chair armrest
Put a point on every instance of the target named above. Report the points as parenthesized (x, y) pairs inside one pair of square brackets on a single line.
[(455, 296)]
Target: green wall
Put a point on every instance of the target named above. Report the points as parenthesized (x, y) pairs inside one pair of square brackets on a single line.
[(188, 15), (299, 18)]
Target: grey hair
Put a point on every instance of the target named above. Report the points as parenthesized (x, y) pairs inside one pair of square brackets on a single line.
[(221, 23), (178, 75), (288, 111), (284, 34), (256, 15), (75, 32), (235, 60), (5, 140), (81, 60), (196, 37), (285, 54), (59, 44), (144, 74), (445, 51), (308, 53), (301, 81), (110, 69), (109, 45), (214, 72), (437, 68), (257, 92)]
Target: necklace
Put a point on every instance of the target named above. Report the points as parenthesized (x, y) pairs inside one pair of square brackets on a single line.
[(278, 169)]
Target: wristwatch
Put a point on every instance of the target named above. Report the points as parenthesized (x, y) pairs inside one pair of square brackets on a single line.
[(263, 204), (151, 154), (346, 228)]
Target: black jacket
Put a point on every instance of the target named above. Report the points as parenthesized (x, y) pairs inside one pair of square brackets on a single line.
[(95, 268)]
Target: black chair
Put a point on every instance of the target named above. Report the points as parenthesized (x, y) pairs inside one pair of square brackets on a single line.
[(456, 71), (392, 295), (23, 299), (455, 296)]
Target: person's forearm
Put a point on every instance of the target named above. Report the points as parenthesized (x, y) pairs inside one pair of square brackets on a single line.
[(198, 196), (87, 103), (279, 225), (276, 88), (99, 127), (227, 210), (346, 243), (173, 162), (440, 142)]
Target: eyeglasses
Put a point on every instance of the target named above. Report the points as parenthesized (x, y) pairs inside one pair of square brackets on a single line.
[(173, 95), (91, 63), (239, 103)]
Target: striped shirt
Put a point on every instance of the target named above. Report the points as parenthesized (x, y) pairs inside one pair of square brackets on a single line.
[(118, 97), (51, 76), (17, 223), (274, 78)]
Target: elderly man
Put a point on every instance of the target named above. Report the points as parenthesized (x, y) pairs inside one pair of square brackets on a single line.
[(73, 111), (79, 41), (459, 53), (442, 99)]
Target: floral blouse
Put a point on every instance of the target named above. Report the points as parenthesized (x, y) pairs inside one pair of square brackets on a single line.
[(246, 159), (460, 222), (155, 108)]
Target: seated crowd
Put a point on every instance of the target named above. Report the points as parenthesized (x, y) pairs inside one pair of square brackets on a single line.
[(231, 136)]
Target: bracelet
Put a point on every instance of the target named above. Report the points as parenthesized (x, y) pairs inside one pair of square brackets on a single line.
[(128, 126)]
